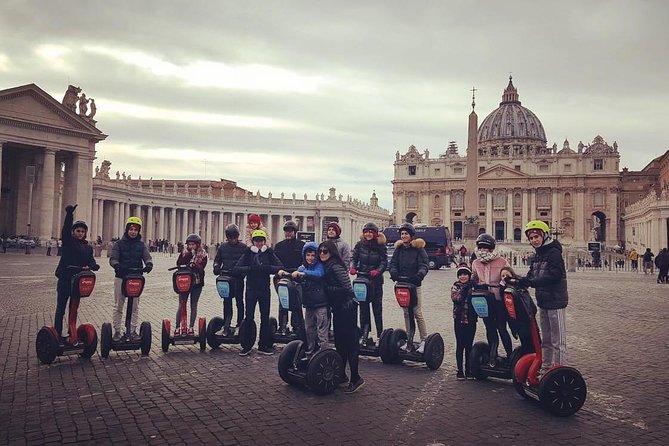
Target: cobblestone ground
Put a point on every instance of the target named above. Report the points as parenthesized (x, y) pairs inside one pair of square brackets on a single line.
[(617, 334)]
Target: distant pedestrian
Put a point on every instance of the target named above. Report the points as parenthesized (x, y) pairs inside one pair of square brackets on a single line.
[(49, 245), (634, 258), (662, 263), (648, 261)]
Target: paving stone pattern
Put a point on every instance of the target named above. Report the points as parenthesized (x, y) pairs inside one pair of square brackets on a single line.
[(617, 334)]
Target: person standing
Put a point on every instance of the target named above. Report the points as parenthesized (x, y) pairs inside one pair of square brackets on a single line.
[(227, 256), (334, 234), (196, 258), (648, 261), (662, 263), (49, 245), (634, 258), (289, 252), (464, 319)]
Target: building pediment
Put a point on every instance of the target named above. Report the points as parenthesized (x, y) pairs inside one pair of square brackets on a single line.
[(30, 106), (500, 171)]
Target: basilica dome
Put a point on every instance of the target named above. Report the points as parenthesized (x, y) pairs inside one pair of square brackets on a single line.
[(511, 121)]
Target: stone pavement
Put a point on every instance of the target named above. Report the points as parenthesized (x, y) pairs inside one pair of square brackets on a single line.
[(617, 334)]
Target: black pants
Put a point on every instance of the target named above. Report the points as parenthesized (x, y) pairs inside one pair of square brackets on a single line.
[(62, 296), (261, 297), (346, 338), (500, 320), (377, 308), (464, 338), (238, 294)]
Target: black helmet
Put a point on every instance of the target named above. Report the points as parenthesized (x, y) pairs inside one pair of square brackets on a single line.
[(231, 231), (79, 224), (485, 241), (290, 225), (194, 238), (408, 227), (370, 227)]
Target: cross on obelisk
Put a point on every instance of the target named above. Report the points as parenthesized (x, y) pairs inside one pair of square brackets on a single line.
[(473, 90)]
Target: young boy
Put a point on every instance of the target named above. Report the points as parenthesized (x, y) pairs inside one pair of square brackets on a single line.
[(464, 319), (311, 274), (227, 256), (257, 263), (548, 276), (196, 258), (129, 252), (254, 224)]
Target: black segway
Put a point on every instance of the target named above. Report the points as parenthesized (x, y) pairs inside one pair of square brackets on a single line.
[(290, 299), (182, 282), (219, 330), (390, 347), (131, 287), (321, 372), (82, 340), (363, 287), (480, 363), (561, 391)]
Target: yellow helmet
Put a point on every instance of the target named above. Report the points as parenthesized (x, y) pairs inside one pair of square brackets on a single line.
[(134, 221), (537, 224), (259, 233)]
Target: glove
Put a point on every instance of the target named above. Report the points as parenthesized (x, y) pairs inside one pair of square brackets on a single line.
[(524, 282), (148, 268), (373, 273), (217, 270), (352, 271), (95, 267), (70, 209)]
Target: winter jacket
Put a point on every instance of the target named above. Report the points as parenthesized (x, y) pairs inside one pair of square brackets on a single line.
[(197, 259), (129, 253), (463, 311), (75, 252), (648, 255), (227, 256), (257, 265), (662, 259), (371, 255), (247, 235), (409, 261), (313, 280), (549, 276), (489, 273), (289, 251), (343, 249), (338, 285)]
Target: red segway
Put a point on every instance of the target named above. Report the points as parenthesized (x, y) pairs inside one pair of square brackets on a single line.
[(561, 390), (131, 287), (182, 282), (82, 340), (390, 346)]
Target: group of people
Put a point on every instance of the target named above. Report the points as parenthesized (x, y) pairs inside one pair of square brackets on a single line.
[(650, 262)]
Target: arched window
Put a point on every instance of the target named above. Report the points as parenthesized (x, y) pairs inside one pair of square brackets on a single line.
[(517, 201), (481, 201), (567, 199), (458, 199), (412, 200)]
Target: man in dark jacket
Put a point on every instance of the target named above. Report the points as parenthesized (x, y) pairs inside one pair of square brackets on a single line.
[(227, 256), (128, 253), (289, 251), (548, 276)]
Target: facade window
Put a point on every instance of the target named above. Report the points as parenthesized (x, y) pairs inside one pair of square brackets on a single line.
[(567, 199), (481, 200), (543, 199), (598, 164), (544, 214), (516, 214), (500, 198), (633, 230), (481, 169), (567, 167), (458, 199), (437, 201), (412, 170), (437, 171), (517, 200), (517, 167), (457, 170), (598, 199), (543, 168)]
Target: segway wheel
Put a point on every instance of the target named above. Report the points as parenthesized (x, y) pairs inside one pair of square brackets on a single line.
[(562, 391), (214, 326), (324, 372), (287, 361), (273, 325), (88, 335), (145, 334), (384, 345), (202, 333), (434, 351), (247, 333), (479, 356), (46, 345), (166, 335), (398, 338), (105, 339)]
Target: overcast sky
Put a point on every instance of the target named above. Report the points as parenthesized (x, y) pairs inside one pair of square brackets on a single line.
[(298, 96)]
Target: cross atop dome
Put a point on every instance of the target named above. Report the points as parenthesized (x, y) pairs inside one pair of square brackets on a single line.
[(510, 93)]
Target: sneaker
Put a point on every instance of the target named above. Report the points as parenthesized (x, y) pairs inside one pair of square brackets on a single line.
[(134, 336), (117, 336), (245, 351), (343, 379), (177, 331), (191, 332), (460, 375), (469, 375), (353, 387), (266, 350), (492, 363), (421, 347)]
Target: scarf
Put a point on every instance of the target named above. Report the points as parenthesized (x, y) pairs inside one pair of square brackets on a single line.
[(485, 257)]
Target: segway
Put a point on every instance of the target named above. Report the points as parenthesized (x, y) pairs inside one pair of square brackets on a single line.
[(290, 300), (390, 346), (182, 282), (131, 287), (321, 372), (561, 391), (219, 330), (82, 340), (363, 287), (480, 364)]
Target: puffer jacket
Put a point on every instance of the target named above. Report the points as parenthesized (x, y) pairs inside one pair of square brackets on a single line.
[(548, 276), (129, 253), (227, 256), (75, 252), (313, 281), (489, 273), (409, 261), (289, 251), (337, 285), (369, 256)]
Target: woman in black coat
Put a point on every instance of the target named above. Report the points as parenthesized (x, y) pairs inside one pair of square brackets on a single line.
[(344, 312)]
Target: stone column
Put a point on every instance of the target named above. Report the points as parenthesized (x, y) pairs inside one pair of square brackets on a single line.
[(196, 223), (161, 223), (612, 223), (47, 193), (556, 216), (184, 224), (173, 226), (221, 227), (533, 204), (488, 213), (399, 206), (2, 143), (95, 229), (115, 224), (525, 211), (447, 211), (509, 214), (150, 224), (100, 220), (425, 214), (207, 231), (579, 223)]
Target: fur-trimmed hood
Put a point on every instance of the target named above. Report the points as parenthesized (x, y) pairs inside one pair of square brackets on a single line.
[(417, 243), (380, 239)]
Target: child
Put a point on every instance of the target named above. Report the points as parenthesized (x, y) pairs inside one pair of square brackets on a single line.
[(76, 252), (465, 318), (505, 272), (129, 252), (311, 274), (254, 224), (227, 256), (195, 257)]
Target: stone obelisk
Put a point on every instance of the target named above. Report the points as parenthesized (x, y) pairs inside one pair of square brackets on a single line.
[(471, 226)]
